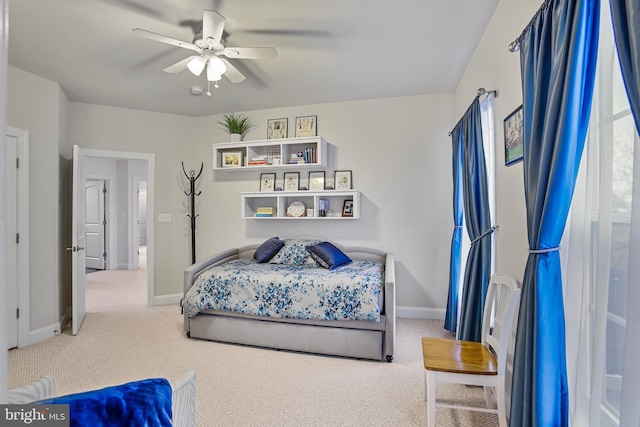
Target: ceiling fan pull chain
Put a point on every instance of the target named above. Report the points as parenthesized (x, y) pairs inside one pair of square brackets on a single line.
[(208, 88)]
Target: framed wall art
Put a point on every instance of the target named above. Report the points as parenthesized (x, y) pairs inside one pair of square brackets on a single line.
[(306, 126), (342, 180), (316, 181), (347, 208), (231, 159), (267, 181), (291, 181), (513, 148), (328, 185), (277, 128)]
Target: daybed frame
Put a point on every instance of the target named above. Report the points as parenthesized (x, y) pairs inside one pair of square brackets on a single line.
[(350, 338)]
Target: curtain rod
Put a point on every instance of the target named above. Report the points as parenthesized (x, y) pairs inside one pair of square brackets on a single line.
[(481, 91)]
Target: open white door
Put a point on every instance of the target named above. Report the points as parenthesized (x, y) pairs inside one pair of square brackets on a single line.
[(78, 243)]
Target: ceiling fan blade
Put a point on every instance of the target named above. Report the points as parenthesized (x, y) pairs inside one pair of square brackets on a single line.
[(165, 39), (179, 66), (250, 52), (232, 72), (212, 26)]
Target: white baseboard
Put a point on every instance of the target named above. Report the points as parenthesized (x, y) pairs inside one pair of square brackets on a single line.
[(44, 333), (420, 313), (167, 299)]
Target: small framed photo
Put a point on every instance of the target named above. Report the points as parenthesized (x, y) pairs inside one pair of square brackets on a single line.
[(316, 181), (267, 181), (328, 184), (304, 185), (347, 208), (279, 185), (231, 159), (342, 180), (513, 148), (306, 126), (277, 128), (291, 181)]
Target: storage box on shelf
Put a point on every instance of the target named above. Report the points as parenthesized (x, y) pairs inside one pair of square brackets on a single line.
[(286, 153), (255, 204)]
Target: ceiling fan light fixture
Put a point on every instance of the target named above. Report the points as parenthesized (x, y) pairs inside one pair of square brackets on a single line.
[(216, 69), (196, 65)]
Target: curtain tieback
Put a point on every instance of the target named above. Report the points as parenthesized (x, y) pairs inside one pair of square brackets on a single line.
[(486, 233), (544, 251), (457, 226)]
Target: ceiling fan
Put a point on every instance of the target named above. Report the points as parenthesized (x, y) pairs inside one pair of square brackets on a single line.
[(211, 52)]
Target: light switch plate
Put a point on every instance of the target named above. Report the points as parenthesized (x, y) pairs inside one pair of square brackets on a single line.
[(164, 217)]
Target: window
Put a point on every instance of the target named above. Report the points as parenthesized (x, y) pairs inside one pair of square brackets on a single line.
[(599, 243)]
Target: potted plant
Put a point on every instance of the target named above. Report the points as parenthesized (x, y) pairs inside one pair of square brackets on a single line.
[(237, 124)]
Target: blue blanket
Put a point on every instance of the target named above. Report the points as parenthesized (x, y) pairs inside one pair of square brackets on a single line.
[(136, 404)]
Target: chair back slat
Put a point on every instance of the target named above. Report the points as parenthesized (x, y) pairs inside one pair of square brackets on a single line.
[(503, 296)]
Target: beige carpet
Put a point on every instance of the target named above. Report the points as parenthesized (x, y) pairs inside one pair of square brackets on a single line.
[(123, 340)]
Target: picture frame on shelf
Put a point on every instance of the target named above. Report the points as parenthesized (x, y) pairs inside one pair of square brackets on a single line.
[(513, 148), (306, 126), (347, 208), (291, 181), (316, 181), (328, 185), (342, 180), (279, 185), (267, 181), (231, 159), (277, 128)]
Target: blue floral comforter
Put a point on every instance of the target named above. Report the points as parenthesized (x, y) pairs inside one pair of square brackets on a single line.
[(351, 292)]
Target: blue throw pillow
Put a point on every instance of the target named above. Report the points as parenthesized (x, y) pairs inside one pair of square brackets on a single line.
[(140, 403), (268, 249), (328, 256)]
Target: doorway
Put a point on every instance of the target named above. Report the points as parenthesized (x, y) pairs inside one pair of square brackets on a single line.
[(118, 169), (95, 224)]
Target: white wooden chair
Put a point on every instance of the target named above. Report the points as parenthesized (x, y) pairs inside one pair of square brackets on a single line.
[(472, 363)]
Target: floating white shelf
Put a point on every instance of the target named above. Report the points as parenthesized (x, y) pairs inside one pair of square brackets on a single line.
[(280, 201), (235, 156)]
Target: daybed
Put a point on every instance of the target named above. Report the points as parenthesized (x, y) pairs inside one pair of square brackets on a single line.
[(276, 322)]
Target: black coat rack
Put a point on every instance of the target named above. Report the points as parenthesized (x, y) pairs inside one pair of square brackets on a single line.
[(192, 193)]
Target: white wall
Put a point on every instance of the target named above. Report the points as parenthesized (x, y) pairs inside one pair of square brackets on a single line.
[(33, 104), (495, 68), (399, 152)]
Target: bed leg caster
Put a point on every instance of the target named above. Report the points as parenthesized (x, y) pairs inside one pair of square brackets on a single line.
[(188, 334), (389, 358)]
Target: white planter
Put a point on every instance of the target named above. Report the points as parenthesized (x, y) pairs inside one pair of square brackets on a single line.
[(235, 137)]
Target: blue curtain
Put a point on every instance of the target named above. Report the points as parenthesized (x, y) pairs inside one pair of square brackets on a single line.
[(626, 27), (558, 62), (451, 316), (478, 222)]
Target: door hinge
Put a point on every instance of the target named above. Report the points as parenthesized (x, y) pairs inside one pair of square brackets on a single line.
[(17, 313), (17, 238), (104, 190), (17, 162)]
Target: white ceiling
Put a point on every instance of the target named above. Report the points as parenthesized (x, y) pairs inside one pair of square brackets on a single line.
[(328, 51)]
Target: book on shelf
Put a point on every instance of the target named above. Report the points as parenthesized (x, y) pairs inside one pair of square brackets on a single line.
[(265, 211), (258, 215)]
